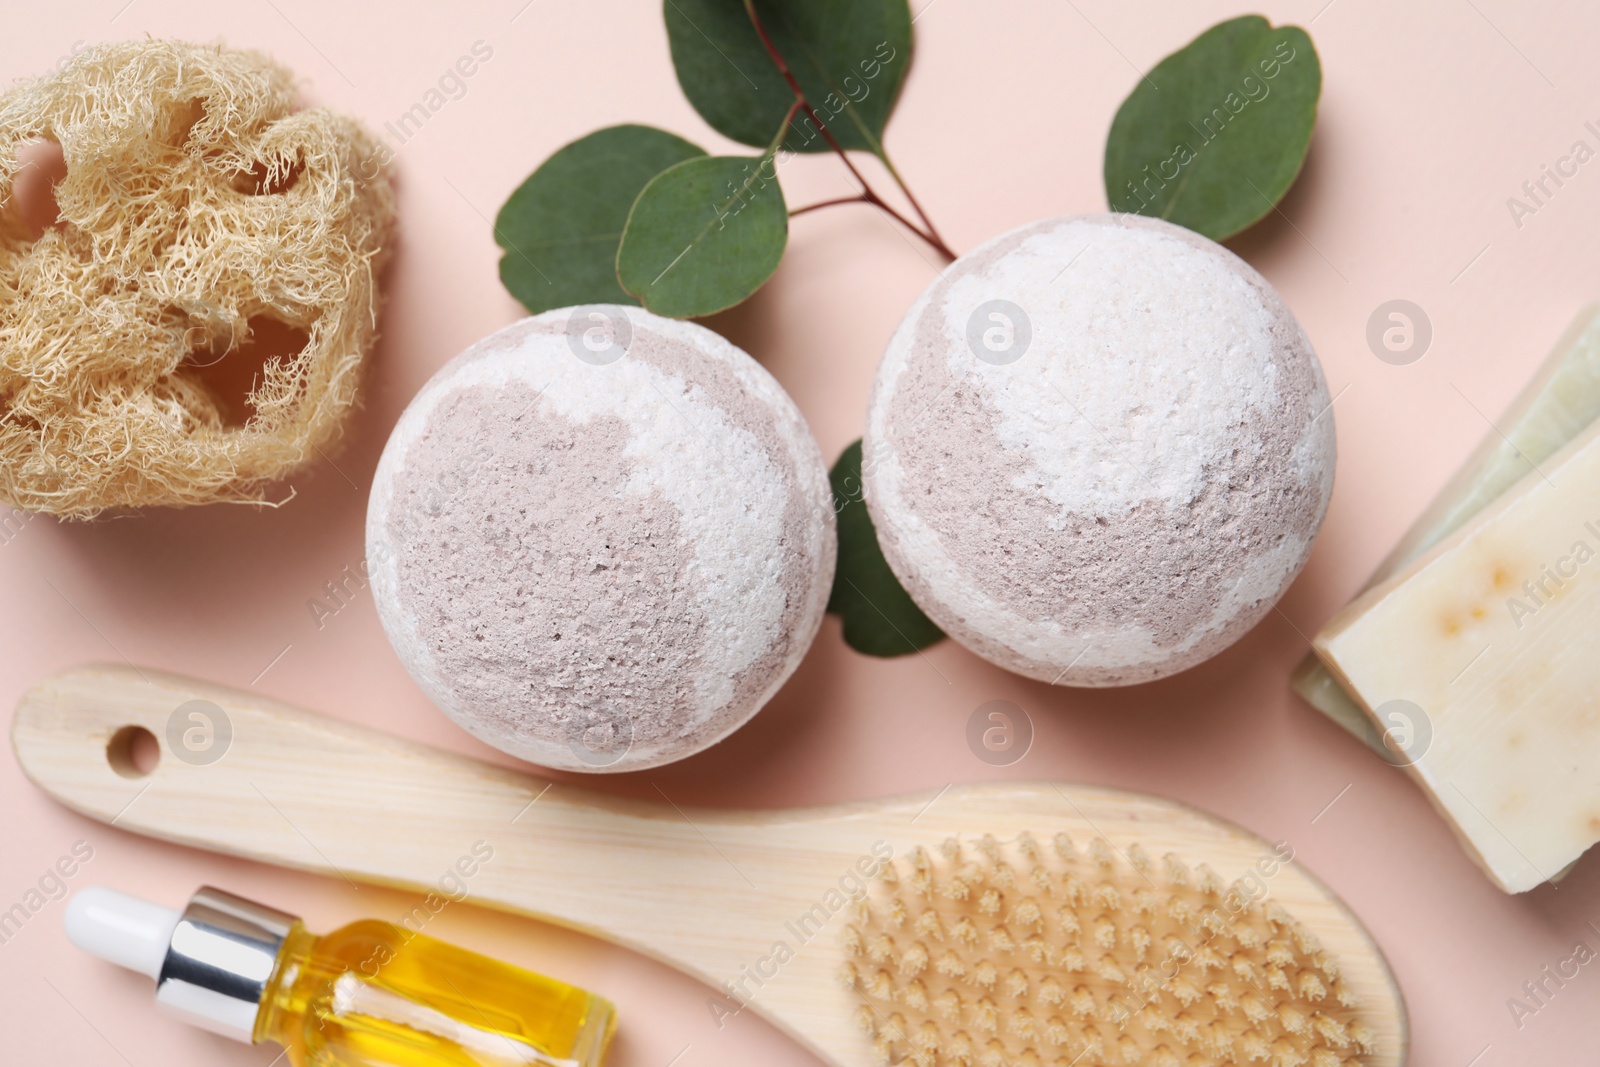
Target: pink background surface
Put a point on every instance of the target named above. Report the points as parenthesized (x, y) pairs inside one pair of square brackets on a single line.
[(1433, 113)]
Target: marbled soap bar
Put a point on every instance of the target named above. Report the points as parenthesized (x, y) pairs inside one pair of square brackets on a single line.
[(1559, 402), (1482, 653)]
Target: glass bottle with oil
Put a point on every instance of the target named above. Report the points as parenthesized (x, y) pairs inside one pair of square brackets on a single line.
[(370, 994)]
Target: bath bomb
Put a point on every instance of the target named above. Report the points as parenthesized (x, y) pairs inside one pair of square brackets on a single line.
[(600, 540), (1098, 449)]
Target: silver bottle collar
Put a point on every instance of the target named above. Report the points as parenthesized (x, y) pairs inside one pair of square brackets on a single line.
[(219, 962)]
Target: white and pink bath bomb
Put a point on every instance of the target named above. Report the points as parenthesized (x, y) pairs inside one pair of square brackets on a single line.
[(600, 540), (1098, 449)]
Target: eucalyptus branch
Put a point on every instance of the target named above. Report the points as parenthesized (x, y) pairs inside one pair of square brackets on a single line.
[(868, 194), (857, 199), (783, 129), (905, 189)]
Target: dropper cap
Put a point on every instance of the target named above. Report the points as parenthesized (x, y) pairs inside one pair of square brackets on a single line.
[(211, 962), (125, 930)]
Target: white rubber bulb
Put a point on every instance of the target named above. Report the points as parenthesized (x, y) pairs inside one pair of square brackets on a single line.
[(121, 929)]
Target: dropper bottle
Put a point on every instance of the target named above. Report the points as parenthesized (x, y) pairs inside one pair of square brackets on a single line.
[(371, 994)]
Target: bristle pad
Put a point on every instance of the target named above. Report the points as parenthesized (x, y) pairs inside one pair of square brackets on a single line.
[(1083, 954)]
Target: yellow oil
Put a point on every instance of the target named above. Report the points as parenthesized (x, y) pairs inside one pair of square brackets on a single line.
[(373, 994)]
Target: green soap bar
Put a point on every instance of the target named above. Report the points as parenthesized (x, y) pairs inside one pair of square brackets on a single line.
[(1561, 400)]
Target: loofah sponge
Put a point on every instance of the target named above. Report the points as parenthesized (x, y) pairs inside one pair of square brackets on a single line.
[(200, 210)]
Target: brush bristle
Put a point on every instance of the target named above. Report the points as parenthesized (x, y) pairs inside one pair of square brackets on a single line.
[(983, 954)]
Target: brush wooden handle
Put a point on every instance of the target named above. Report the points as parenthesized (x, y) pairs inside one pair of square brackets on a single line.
[(299, 789), (709, 892)]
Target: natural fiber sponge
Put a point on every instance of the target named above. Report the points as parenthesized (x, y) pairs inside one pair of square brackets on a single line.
[(1098, 450), (600, 540), (200, 212)]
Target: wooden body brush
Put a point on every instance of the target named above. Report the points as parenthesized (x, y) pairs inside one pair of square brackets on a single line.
[(999, 924)]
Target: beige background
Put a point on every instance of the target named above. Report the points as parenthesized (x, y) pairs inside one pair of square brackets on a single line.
[(1434, 112)]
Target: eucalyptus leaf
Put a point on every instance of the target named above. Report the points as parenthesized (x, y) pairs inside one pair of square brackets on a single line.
[(879, 616), (1215, 135), (703, 235), (562, 226), (849, 56)]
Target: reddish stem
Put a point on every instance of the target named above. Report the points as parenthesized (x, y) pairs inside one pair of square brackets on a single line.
[(917, 207), (783, 130), (868, 194), (857, 199)]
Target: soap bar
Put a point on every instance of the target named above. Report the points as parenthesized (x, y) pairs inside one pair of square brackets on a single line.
[(1481, 654), (1560, 401)]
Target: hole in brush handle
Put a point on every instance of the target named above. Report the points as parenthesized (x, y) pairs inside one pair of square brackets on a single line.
[(133, 752)]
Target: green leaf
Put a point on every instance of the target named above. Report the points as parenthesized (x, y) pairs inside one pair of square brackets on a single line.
[(849, 56), (703, 235), (879, 616), (562, 226), (1214, 136)]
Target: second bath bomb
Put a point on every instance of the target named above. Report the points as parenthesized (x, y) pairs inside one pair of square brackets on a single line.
[(1098, 450), (600, 540)]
